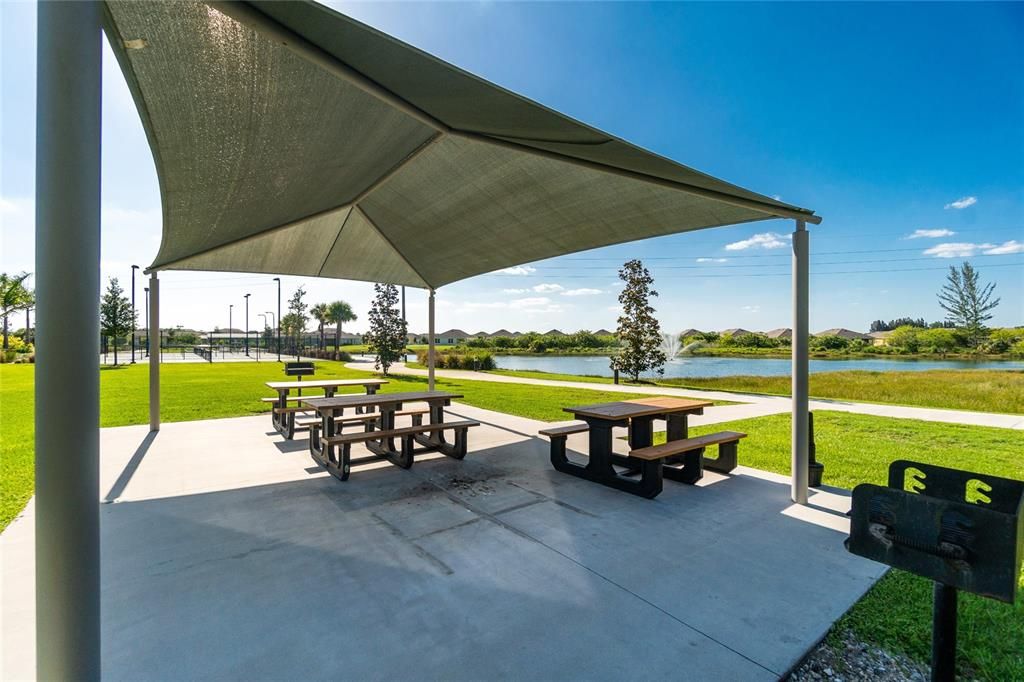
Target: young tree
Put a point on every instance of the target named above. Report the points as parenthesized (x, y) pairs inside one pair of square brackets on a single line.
[(639, 332), (966, 302), (14, 296), (116, 316), (339, 312), (297, 317), (937, 339), (387, 333), (319, 313)]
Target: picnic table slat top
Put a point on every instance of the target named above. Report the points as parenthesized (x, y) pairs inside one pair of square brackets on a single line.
[(379, 399), (638, 407), (324, 383)]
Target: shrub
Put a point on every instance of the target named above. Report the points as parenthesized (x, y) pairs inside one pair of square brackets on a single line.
[(937, 340), (461, 360), (906, 338), (828, 342), (754, 341)]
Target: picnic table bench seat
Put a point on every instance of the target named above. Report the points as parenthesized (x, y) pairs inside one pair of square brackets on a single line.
[(564, 431), (691, 452), (315, 422), (291, 398), (341, 467)]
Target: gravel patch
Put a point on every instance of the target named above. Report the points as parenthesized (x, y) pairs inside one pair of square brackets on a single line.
[(856, 661)]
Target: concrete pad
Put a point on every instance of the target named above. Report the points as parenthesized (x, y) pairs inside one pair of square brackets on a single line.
[(227, 553)]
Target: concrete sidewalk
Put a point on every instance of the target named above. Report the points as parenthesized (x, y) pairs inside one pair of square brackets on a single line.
[(754, 405), (228, 554)]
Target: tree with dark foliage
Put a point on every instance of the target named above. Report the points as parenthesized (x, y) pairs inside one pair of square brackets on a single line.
[(638, 331)]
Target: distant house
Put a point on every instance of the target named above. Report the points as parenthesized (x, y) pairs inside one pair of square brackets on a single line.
[(738, 331), (780, 333), (451, 337), (844, 333), (689, 332), (603, 332), (553, 332), (504, 332), (345, 339), (880, 338), (481, 335)]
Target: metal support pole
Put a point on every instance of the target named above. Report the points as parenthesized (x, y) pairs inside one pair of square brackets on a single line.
[(247, 325), (944, 617), (67, 391), (231, 324), (147, 321), (430, 342), (403, 305), (800, 434), (278, 318), (135, 320), (155, 354)]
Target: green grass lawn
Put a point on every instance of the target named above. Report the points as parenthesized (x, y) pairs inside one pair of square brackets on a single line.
[(191, 391), (980, 390), (896, 613)]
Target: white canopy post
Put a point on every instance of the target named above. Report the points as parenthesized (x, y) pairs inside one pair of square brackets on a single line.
[(430, 342), (155, 355), (799, 347), (67, 390)]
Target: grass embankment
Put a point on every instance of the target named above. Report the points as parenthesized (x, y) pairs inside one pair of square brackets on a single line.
[(896, 613), (191, 391), (980, 390)]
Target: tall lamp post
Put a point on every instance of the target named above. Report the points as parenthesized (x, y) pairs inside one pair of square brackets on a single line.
[(231, 309), (278, 318), (134, 323), (147, 324), (264, 316), (272, 318), (28, 336), (247, 325)]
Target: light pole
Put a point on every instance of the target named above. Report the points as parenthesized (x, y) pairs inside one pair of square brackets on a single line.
[(231, 309), (28, 336), (147, 323), (134, 324), (264, 316), (247, 325), (278, 318)]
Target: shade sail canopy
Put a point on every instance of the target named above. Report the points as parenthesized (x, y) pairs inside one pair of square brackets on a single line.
[(292, 139)]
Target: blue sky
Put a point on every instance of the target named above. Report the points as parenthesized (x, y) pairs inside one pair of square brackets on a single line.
[(888, 120)]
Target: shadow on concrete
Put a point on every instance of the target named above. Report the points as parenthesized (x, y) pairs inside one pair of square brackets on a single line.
[(129, 470)]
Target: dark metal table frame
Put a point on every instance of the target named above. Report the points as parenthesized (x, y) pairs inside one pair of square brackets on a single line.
[(384, 448), (284, 422), (600, 467)]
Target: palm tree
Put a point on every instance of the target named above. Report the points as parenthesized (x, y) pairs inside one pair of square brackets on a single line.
[(14, 296), (320, 314), (339, 312)]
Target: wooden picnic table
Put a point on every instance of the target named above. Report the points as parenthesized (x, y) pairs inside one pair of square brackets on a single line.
[(283, 417), (638, 417), (380, 431)]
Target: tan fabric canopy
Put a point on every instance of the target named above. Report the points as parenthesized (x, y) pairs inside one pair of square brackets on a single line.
[(291, 139)]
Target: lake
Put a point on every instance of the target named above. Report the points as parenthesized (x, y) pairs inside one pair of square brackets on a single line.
[(722, 367)]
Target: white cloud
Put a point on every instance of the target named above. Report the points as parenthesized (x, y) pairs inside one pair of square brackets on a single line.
[(518, 270), (751, 308), (530, 302), (776, 197), (957, 249), (617, 309), (582, 292), (515, 291), (548, 288), (616, 284), (481, 305), (930, 234), (962, 203), (763, 240), (1012, 246), (712, 260)]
